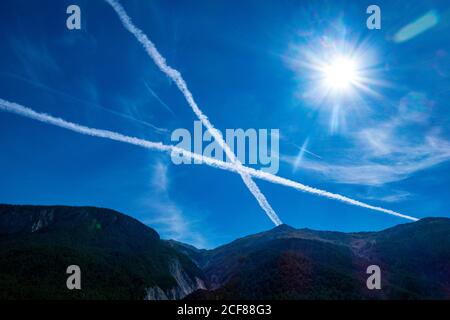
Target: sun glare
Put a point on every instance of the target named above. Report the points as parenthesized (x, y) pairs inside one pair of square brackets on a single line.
[(341, 73), (336, 76)]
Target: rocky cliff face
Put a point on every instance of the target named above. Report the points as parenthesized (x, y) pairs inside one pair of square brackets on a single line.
[(185, 285)]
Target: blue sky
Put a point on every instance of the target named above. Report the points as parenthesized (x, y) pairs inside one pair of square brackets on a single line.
[(248, 65)]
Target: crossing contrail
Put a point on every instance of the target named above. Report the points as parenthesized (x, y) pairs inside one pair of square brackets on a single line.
[(176, 77), (158, 146)]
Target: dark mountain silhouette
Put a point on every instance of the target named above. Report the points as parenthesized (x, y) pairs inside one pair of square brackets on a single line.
[(121, 258), (286, 263)]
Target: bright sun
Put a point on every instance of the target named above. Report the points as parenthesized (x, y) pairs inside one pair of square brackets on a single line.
[(341, 73), (337, 75)]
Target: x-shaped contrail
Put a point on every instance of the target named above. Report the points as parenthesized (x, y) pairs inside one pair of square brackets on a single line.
[(106, 134), (176, 77), (235, 165)]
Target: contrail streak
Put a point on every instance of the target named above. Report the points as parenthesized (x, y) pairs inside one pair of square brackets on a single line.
[(153, 93), (300, 155), (29, 113), (45, 87), (43, 117), (176, 77)]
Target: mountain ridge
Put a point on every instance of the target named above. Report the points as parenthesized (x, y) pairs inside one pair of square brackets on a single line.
[(120, 257), (123, 258), (412, 267)]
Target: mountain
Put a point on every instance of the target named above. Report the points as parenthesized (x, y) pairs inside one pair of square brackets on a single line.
[(119, 257), (288, 263)]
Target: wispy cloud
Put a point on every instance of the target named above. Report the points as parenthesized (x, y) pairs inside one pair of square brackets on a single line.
[(35, 58), (388, 151), (38, 61), (433, 152), (389, 196), (170, 219), (160, 181)]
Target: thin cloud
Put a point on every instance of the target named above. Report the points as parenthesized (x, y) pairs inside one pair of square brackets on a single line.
[(386, 163), (176, 77), (392, 196), (170, 220), (35, 57), (158, 146), (395, 168), (376, 174), (160, 180), (386, 152)]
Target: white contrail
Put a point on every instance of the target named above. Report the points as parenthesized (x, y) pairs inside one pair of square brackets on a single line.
[(176, 77), (29, 113), (301, 187), (43, 117)]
